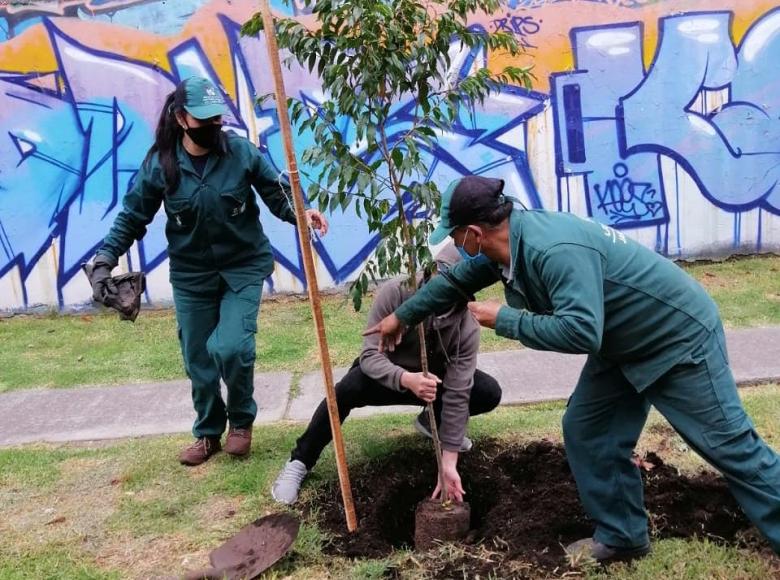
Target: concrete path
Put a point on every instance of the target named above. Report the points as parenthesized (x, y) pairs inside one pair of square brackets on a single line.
[(146, 409)]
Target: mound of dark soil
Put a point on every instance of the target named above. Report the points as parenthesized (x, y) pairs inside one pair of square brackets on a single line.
[(524, 506)]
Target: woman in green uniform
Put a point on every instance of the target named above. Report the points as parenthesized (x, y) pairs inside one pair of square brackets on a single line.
[(219, 255), (652, 335)]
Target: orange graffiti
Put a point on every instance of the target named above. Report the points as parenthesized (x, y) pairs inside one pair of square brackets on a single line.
[(31, 51)]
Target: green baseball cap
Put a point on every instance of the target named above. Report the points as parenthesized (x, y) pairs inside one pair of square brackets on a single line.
[(202, 99), (466, 201)]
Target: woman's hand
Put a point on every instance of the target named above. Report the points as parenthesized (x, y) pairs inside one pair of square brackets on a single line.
[(102, 283), (316, 220)]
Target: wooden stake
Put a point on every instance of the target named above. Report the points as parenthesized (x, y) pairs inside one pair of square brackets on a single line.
[(308, 263), (445, 496)]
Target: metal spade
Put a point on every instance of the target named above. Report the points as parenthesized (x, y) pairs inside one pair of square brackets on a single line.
[(255, 548)]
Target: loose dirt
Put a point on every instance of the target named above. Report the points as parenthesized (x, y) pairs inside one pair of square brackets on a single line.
[(524, 507), (435, 521)]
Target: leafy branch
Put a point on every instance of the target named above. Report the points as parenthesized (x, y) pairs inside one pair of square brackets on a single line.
[(372, 55)]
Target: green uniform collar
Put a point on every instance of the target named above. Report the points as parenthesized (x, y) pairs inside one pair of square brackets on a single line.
[(515, 233)]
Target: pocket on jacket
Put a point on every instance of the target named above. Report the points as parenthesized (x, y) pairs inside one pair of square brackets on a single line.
[(235, 201), (180, 212)]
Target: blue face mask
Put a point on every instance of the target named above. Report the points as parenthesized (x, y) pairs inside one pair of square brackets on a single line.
[(478, 258)]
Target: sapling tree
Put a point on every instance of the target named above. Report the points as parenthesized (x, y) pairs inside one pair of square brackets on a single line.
[(371, 56)]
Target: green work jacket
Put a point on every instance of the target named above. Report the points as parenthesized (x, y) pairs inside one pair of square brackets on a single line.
[(213, 227), (576, 286)]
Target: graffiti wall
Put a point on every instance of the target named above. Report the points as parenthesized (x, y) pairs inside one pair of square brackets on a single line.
[(658, 117)]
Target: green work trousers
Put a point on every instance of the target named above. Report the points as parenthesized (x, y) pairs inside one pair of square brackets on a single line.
[(217, 335), (698, 397)]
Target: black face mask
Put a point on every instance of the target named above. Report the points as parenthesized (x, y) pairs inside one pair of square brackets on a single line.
[(206, 136)]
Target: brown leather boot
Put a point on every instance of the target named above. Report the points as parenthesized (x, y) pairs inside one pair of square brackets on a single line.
[(200, 451), (239, 441)]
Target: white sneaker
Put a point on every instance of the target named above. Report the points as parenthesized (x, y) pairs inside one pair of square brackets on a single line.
[(287, 485)]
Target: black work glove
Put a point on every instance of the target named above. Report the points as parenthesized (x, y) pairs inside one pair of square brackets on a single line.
[(100, 278)]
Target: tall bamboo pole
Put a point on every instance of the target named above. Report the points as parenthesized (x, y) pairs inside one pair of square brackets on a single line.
[(308, 263)]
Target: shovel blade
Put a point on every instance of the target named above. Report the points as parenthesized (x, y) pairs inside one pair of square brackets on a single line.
[(256, 547)]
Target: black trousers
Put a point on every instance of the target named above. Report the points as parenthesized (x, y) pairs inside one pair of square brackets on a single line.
[(357, 390)]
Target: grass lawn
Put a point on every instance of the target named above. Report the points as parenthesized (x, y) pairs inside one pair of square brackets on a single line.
[(58, 351), (127, 509)]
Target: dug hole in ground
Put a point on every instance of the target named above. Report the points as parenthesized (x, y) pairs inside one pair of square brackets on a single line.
[(524, 509)]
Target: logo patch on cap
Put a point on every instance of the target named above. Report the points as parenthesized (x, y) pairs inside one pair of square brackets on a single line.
[(211, 97)]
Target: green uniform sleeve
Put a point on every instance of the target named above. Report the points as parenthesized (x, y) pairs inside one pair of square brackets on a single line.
[(139, 206), (275, 192), (440, 294), (574, 279)]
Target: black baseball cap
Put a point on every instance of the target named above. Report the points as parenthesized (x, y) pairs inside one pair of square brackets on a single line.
[(466, 201)]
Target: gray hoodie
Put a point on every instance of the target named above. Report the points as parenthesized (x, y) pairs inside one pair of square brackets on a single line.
[(453, 341)]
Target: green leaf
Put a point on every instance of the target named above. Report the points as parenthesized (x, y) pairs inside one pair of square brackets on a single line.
[(333, 174), (398, 157), (363, 180), (252, 26), (333, 203), (356, 292)]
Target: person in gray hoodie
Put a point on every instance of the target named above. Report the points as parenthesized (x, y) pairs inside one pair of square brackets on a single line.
[(455, 386)]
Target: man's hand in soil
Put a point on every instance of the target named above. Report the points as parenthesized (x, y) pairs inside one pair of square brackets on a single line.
[(449, 468), (485, 312), (423, 387), (390, 330)]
